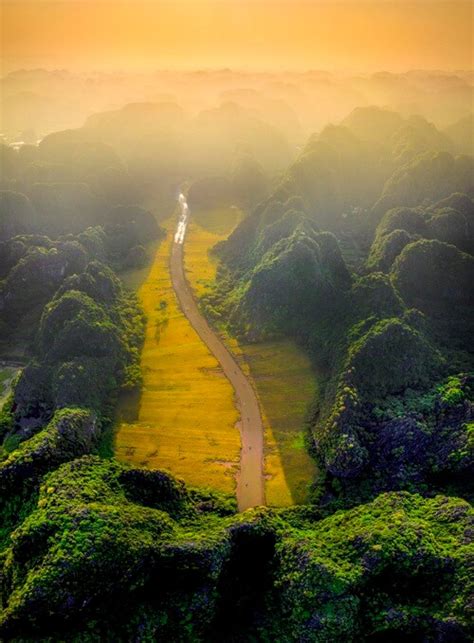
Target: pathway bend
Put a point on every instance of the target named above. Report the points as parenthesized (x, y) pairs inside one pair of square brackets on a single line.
[(250, 481)]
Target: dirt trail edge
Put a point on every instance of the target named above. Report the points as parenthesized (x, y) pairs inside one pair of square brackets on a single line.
[(250, 484)]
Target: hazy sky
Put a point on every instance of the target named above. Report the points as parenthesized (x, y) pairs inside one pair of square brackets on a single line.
[(260, 34)]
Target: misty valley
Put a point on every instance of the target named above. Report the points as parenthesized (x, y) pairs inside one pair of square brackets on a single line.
[(236, 356)]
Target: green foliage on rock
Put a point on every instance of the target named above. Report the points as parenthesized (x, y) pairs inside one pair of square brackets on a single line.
[(392, 356), (434, 276), (451, 220), (70, 433), (303, 271), (87, 348), (280, 262), (117, 552), (385, 569), (433, 176), (385, 250), (379, 345)]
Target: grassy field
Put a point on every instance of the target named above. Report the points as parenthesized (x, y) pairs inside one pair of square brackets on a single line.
[(185, 418), (281, 374)]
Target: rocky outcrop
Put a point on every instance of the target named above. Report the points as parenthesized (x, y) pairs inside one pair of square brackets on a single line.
[(103, 553), (70, 434)]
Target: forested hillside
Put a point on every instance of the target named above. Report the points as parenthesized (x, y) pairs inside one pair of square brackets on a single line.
[(372, 271)]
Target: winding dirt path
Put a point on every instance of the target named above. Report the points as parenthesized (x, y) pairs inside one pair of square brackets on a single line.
[(250, 485)]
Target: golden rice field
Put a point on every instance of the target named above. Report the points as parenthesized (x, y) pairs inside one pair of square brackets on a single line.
[(185, 419), (280, 372)]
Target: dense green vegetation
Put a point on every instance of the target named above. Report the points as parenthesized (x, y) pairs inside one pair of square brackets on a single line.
[(81, 331), (362, 252), (123, 554), (54, 227), (390, 321)]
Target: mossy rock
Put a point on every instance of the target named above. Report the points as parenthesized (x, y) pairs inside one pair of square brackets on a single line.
[(105, 555), (434, 276)]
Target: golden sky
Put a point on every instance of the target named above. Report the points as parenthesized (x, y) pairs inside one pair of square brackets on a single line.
[(258, 34)]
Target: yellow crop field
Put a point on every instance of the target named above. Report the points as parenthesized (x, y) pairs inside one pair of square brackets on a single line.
[(205, 229), (185, 417), (286, 386), (281, 373)]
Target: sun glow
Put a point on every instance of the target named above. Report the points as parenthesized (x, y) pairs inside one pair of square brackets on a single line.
[(263, 34)]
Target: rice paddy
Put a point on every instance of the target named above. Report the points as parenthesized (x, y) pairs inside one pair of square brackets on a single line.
[(281, 373), (286, 386), (185, 419)]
